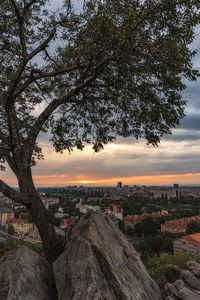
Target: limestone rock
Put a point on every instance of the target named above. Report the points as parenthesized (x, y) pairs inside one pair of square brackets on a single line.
[(172, 273), (99, 263), (187, 285), (190, 280), (24, 275), (179, 291), (193, 267)]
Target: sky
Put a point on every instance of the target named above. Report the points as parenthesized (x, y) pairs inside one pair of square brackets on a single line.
[(175, 160)]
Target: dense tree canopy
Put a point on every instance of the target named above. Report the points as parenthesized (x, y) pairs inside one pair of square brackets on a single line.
[(192, 227), (106, 69)]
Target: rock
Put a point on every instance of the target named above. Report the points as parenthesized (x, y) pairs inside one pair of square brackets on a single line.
[(99, 263), (24, 275), (187, 287), (190, 280), (171, 290), (193, 267), (178, 291), (172, 273), (185, 293)]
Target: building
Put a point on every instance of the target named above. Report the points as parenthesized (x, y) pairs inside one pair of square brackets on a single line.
[(84, 209), (34, 235), (176, 186), (5, 215), (67, 222), (130, 221), (60, 213), (114, 211), (164, 193), (119, 185), (178, 225), (188, 244), (21, 227)]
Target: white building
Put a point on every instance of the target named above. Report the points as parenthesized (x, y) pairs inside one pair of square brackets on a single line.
[(188, 244)]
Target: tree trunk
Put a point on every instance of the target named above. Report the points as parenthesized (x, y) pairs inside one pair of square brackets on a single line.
[(53, 245)]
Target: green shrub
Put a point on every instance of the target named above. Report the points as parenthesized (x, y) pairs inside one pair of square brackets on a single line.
[(156, 265), (15, 244)]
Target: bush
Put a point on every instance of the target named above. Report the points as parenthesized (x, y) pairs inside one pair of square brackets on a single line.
[(156, 265), (14, 244)]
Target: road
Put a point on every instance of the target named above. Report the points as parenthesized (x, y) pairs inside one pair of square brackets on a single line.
[(4, 236)]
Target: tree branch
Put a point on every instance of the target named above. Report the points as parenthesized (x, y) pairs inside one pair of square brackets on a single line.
[(42, 46), (42, 75), (10, 97), (27, 6), (21, 29), (30, 141), (11, 193), (9, 160)]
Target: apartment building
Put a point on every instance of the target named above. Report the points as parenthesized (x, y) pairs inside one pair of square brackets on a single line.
[(189, 244)]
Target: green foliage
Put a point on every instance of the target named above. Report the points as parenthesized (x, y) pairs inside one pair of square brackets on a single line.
[(156, 265), (193, 227), (155, 245), (15, 244), (121, 61), (129, 231), (147, 227), (11, 229), (132, 207)]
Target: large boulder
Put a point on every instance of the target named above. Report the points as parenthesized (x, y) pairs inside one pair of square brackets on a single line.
[(99, 263), (24, 275)]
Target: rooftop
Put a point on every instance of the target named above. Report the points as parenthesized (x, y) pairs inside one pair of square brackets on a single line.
[(193, 239)]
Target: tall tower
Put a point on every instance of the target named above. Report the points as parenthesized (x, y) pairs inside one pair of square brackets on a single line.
[(119, 185), (176, 187)]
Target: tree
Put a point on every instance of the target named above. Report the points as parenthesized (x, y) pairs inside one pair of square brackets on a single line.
[(11, 229), (111, 68), (192, 227)]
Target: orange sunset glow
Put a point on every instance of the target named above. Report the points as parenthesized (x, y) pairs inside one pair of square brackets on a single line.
[(133, 163), (64, 179)]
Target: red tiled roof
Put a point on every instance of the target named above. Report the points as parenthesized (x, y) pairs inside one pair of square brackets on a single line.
[(193, 239), (179, 223), (14, 220)]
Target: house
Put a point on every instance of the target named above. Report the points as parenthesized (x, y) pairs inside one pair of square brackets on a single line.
[(130, 221), (60, 213), (66, 222), (84, 209), (5, 215), (21, 227), (114, 209), (33, 234), (188, 244), (178, 225)]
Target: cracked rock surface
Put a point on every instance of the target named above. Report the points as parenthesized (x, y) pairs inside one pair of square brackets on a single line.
[(184, 284), (99, 263), (24, 275)]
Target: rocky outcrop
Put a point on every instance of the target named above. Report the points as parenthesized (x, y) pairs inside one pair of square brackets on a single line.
[(24, 275), (99, 263), (184, 284)]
